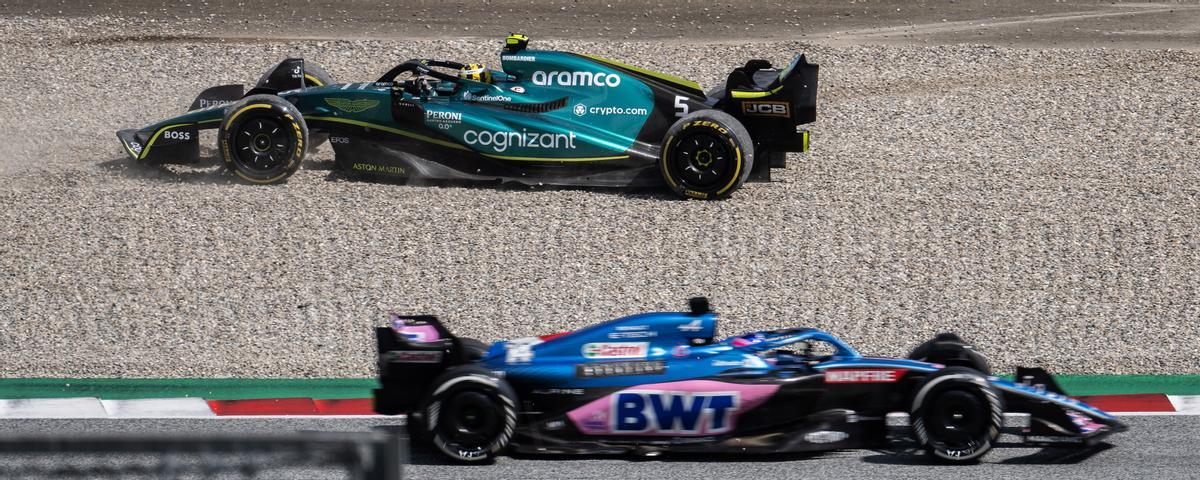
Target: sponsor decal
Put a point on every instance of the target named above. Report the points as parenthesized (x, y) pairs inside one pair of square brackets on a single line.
[(681, 351), (518, 58), (636, 331), (617, 369), (500, 141), (708, 123), (556, 425), (862, 375), (628, 335), (681, 413), (339, 140), (373, 168), (576, 79), (352, 105), (691, 408), (206, 103), (581, 110), (616, 350), (767, 109), (692, 326), (747, 362), (517, 89), (559, 391), (520, 350), (438, 116), (414, 356), (486, 98), (825, 436), (176, 135)]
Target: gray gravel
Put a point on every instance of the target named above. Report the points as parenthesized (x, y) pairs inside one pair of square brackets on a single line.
[(1041, 202)]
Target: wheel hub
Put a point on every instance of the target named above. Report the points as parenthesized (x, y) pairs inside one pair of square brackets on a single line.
[(262, 144), (471, 420), (703, 160), (960, 418)]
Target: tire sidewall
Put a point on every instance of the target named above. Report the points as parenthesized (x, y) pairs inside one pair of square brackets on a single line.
[(952, 353), (950, 379), (470, 379), (263, 106), (721, 125), (314, 71)]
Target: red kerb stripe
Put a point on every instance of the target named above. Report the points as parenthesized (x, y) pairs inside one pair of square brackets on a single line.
[(266, 406), (345, 406), (1141, 402)]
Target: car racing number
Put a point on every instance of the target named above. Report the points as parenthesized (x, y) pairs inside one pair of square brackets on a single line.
[(681, 106)]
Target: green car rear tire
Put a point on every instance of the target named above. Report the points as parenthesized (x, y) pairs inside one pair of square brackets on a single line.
[(707, 155)]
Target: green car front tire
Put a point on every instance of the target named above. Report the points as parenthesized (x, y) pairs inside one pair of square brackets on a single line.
[(263, 139), (707, 155)]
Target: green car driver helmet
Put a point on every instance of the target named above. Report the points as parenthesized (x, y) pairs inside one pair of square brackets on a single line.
[(476, 72)]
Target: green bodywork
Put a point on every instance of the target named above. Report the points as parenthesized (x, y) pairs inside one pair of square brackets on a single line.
[(546, 116)]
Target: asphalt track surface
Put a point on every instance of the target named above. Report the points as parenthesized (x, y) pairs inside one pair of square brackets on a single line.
[(1160, 447)]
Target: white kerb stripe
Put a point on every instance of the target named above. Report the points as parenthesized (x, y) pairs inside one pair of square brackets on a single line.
[(158, 408), (1186, 403), (82, 407)]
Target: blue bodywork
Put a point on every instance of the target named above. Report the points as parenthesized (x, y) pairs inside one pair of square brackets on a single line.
[(553, 362), (664, 380)]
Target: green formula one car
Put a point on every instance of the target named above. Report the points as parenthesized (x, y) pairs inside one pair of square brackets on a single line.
[(546, 117)]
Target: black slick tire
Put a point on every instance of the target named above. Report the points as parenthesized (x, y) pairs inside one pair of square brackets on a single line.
[(956, 415), (707, 155), (470, 415), (263, 139), (950, 350)]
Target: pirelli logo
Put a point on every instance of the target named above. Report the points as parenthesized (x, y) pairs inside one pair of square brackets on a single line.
[(767, 109), (614, 369)]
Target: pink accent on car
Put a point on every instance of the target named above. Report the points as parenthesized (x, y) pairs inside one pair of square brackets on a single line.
[(686, 408), (1085, 423), (414, 333)]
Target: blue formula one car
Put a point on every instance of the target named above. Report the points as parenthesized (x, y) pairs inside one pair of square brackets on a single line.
[(659, 382), (546, 117)]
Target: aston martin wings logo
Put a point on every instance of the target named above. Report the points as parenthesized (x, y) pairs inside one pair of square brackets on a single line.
[(352, 106)]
